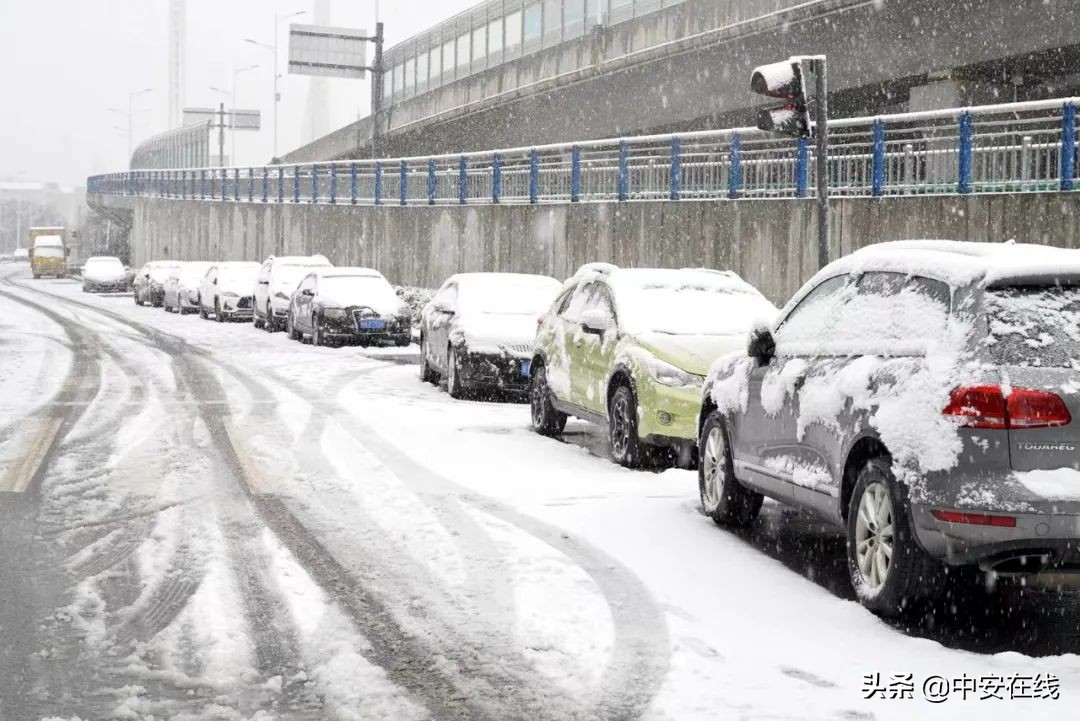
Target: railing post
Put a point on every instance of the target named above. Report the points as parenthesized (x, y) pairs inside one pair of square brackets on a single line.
[(296, 183), (333, 184), (432, 179), (802, 167), (909, 166), (265, 184), (1068, 146), (1025, 158), (378, 183), (496, 178), (676, 168), (966, 140), (236, 185), (463, 180), (877, 187), (251, 184), (404, 185), (624, 171), (575, 174), (202, 185), (735, 171), (353, 186), (280, 184), (314, 184), (534, 176)]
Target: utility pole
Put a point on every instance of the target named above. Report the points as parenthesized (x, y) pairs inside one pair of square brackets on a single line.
[(377, 87), (221, 134)]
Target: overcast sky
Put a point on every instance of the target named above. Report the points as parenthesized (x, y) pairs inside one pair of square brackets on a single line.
[(65, 62)]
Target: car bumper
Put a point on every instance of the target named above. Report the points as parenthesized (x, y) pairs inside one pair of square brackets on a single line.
[(502, 371), (1038, 540), (667, 412), (348, 329), (105, 287)]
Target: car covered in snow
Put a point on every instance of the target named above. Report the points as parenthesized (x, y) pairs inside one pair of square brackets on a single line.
[(629, 349), (919, 395), (478, 330), (225, 291), (358, 305), (104, 274), (20, 255), (149, 283), (274, 286), (182, 288)]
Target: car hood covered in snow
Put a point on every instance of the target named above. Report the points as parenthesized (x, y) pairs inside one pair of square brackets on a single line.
[(104, 272), (495, 332), (692, 353)]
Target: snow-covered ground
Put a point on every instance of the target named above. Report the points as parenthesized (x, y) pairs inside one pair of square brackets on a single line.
[(234, 525)]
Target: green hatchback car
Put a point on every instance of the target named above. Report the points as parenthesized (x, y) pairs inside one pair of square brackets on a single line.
[(630, 348)]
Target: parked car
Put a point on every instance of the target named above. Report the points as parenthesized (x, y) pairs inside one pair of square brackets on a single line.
[(182, 287), (277, 279), (225, 291), (919, 395), (149, 283), (20, 255), (348, 305), (104, 274), (629, 349), (478, 330)]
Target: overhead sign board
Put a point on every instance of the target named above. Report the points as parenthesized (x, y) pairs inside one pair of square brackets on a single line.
[(239, 119), (328, 51)]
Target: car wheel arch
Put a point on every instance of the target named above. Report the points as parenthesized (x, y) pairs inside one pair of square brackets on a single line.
[(620, 376), (863, 450)]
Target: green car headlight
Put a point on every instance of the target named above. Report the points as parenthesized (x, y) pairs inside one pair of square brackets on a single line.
[(669, 375)]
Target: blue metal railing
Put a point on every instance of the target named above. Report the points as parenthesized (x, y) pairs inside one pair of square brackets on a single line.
[(1018, 147)]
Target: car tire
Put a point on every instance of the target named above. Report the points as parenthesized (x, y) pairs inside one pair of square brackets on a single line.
[(889, 571), (271, 322), (626, 448), (454, 385), (317, 338), (256, 321), (202, 312), (290, 330), (427, 375), (217, 312), (546, 419), (402, 342), (723, 498)]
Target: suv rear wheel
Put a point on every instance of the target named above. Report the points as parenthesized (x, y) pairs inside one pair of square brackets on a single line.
[(626, 448), (888, 568), (427, 375), (723, 498), (546, 419)]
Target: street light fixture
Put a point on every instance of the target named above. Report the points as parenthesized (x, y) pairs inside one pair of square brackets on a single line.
[(130, 115), (273, 49)]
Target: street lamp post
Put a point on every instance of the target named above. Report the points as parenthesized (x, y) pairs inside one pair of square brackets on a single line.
[(273, 49), (130, 116)]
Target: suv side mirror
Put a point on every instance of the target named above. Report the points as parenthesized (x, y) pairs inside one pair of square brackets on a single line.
[(595, 321), (761, 346), (442, 307), (307, 292)]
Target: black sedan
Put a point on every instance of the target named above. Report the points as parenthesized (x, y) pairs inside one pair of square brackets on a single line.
[(356, 305)]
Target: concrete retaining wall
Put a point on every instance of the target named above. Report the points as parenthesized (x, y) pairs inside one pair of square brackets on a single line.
[(771, 243)]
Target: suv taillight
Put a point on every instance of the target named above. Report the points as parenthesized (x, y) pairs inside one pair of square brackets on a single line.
[(988, 407)]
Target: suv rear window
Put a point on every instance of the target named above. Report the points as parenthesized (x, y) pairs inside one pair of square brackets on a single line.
[(1035, 326)]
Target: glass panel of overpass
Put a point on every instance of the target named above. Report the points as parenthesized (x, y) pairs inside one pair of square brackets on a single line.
[(532, 26), (552, 22), (410, 75), (463, 54), (620, 10), (495, 40), (421, 72), (513, 33), (479, 44), (448, 61), (573, 19)]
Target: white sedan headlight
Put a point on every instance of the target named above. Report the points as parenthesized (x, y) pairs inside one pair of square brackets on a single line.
[(669, 375)]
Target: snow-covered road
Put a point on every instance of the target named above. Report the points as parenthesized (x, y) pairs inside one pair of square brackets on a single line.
[(202, 520)]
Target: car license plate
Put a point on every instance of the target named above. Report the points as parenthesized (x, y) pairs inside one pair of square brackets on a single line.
[(526, 367), (372, 324)]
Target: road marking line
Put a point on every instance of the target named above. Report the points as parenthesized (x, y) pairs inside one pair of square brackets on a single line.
[(18, 478)]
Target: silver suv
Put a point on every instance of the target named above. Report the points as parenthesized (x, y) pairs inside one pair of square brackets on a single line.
[(920, 395)]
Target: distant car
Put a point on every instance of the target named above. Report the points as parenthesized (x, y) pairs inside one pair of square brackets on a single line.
[(5, 257), (149, 284), (277, 279), (348, 305), (629, 349), (478, 330), (21, 255), (919, 395), (225, 291), (182, 287), (104, 274)]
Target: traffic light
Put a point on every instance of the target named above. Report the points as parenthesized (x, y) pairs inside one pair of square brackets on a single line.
[(783, 80)]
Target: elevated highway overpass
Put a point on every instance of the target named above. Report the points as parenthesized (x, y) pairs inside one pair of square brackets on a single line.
[(526, 72)]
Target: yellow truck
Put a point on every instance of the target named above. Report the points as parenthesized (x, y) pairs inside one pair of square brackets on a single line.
[(48, 256)]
